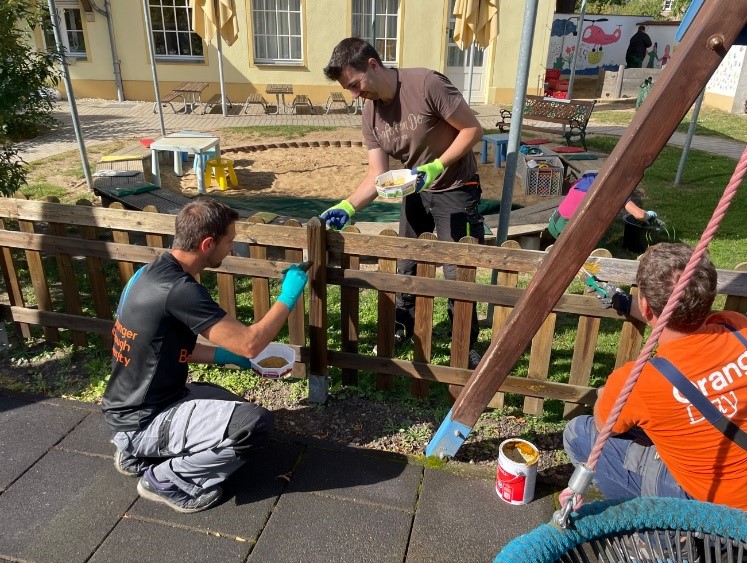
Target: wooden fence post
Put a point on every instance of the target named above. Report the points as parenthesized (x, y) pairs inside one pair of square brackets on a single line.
[(349, 313), (260, 286), (461, 327), (505, 278), (68, 280), (386, 303), (126, 269), (12, 284), (318, 370), (734, 302), (297, 318), (423, 333), (38, 278)]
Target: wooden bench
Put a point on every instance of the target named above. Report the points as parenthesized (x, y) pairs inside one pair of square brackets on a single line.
[(335, 98), (302, 101), (169, 100), (573, 113), (215, 100), (256, 99)]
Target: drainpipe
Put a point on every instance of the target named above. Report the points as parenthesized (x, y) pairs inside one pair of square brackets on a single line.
[(106, 12)]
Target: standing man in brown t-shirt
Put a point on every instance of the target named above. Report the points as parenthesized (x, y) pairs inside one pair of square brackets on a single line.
[(417, 116)]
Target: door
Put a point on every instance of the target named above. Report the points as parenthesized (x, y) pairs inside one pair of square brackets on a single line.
[(458, 65)]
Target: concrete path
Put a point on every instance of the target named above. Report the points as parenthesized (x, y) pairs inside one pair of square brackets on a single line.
[(105, 121), (62, 500)]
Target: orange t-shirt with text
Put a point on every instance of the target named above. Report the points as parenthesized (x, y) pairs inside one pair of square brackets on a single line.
[(707, 465)]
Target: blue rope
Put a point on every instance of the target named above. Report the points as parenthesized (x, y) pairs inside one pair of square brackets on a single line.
[(610, 517)]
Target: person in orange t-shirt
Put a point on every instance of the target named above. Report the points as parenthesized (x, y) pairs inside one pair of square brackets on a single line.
[(661, 444)]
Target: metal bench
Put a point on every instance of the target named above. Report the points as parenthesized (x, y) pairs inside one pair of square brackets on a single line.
[(302, 101), (257, 99), (573, 113), (215, 100), (335, 98), (169, 99)]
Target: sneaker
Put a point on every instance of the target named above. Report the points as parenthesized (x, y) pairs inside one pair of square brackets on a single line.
[(169, 494), (473, 359), (401, 338), (130, 465)]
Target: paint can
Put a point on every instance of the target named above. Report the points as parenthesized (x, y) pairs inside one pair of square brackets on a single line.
[(517, 471)]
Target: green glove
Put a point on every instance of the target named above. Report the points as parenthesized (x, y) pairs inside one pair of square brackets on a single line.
[(427, 174), (223, 357), (338, 215)]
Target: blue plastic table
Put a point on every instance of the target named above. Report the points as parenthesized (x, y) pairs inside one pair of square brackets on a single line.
[(500, 140)]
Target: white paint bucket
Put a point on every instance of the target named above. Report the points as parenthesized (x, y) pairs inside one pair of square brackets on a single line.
[(517, 471)]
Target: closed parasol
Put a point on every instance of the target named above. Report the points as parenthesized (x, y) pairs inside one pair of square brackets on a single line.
[(216, 18), (475, 23)]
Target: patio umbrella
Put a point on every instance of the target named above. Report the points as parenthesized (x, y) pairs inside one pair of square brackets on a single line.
[(476, 23), (216, 18)]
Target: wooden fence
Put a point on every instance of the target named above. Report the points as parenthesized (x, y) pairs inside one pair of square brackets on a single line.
[(61, 254)]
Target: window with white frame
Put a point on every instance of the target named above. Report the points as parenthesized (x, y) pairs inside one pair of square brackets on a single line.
[(173, 38), (376, 22), (70, 22), (277, 31)]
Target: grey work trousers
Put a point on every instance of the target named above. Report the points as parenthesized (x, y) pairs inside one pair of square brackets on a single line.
[(192, 435)]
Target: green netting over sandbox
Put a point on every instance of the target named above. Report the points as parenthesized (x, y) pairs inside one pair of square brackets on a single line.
[(303, 208)]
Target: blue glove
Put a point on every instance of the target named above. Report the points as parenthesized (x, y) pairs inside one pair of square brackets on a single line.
[(427, 174), (651, 215), (293, 285), (223, 357), (338, 215)]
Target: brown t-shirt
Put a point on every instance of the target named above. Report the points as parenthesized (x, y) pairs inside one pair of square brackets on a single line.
[(412, 127)]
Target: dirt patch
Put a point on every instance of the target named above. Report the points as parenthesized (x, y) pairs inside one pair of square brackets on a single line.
[(316, 172)]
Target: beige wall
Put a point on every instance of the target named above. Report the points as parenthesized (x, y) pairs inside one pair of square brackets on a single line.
[(422, 33)]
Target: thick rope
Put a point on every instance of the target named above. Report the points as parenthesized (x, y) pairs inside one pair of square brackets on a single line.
[(679, 289)]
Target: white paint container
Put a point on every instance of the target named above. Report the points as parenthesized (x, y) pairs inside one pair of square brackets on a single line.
[(517, 471)]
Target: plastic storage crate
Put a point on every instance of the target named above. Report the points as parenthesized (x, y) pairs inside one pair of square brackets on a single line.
[(546, 179)]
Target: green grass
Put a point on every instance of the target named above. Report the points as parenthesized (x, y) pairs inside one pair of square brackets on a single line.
[(711, 122), (288, 131)]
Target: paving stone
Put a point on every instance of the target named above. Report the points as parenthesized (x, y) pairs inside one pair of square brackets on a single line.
[(311, 527), (62, 508), (369, 476), (463, 519), (135, 540), (90, 436), (249, 495), (27, 431)]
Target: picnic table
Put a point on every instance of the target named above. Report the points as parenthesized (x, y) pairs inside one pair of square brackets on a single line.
[(191, 92), (280, 90), (194, 143)]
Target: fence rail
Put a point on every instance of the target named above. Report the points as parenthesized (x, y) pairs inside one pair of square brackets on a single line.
[(64, 266)]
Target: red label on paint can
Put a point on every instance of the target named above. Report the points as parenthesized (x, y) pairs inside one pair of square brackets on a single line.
[(510, 487)]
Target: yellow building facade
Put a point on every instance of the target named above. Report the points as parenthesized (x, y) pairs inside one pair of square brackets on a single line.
[(284, 41)]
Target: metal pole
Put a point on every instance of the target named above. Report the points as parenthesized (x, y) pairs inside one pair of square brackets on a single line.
[(220, 71), (688, 140), (115, 57), (471, 55), (514, 134), (70, 94), (151, 49), (575, 53)]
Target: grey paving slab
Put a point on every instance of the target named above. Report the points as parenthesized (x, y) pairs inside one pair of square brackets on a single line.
[(311, 527), (249, 496), (62, 508), (135, 540), (90, 436), (27, 431), (463, 519), (358, 475)]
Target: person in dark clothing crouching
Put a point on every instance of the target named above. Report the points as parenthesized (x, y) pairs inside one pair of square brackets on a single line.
[(183, 439)]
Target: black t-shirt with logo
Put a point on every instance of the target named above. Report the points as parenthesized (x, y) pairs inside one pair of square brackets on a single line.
[(159, 318)]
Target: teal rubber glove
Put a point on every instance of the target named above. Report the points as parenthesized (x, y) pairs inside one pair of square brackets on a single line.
[(223, 357), (427, 174), (651, 215), (293, 285), (338, 215)]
